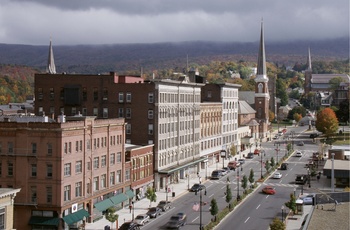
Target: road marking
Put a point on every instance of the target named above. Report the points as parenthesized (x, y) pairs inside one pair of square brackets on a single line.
[(195, 219), (223, 187), (258, 206), (246, 220), (211, 195), (267, 196)]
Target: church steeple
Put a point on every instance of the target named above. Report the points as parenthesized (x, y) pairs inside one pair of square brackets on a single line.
[(261, 69), (309, 67), (51, 68)]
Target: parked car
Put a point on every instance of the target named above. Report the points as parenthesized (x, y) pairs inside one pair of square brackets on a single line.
[(277, 175), (142, 219), (284, 166), (298, 154), (226, 169), (197, 187), (154, 212), (250, 155), (216, 174), (164, 205), (275, 137), (301, 143), (129, 226), (314, 135), (241, 161), (177, 221), (269, 190), (308, 199)]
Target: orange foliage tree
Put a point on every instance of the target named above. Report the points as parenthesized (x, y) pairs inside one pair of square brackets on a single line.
[(327, 122)]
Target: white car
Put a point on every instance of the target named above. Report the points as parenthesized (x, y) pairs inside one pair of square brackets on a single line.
[(298, 154), (142, 219), (277, 175)]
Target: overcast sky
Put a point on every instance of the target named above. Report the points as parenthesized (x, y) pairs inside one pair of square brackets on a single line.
[(70, 22)]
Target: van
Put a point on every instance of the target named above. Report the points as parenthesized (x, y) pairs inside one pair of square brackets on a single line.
[(216, 174)]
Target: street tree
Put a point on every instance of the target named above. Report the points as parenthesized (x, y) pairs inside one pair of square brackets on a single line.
[(277, 224), (244, 182), (233, 150), (327, 122), (297, 117), (251, 177), (291, 204), (343, 111), (214, 209), (151, 195), (267, 165), (111, 215), (272, 162), (228, 194)]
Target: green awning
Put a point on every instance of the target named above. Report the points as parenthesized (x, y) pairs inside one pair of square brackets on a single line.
[(130, 194), (47, 221), (103, 205), (119, 198), (76, 216)]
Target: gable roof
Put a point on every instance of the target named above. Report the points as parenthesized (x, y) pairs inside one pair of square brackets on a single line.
[(245, 108)]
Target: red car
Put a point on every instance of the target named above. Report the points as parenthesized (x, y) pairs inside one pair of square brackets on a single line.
[(269, 190)]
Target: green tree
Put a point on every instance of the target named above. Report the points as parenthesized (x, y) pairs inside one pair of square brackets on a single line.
[(244, 182), (335, 82), (214, 209), (151, 195), (277, 224), (343, 111), (228, 194), (251, 176), (272, 162), (327, 122), (233, 150), (281, 91), (267, 165), (111, 216), (291, 204)]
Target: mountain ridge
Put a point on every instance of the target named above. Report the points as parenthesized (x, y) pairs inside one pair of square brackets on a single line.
[(121, 58)]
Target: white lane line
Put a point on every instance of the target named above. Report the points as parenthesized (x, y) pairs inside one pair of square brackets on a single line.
[(267, 196), (258, 206), (246, 220), (211, 195), (195, 219)]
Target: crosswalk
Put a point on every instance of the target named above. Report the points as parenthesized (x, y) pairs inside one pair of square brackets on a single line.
[(220, 182)]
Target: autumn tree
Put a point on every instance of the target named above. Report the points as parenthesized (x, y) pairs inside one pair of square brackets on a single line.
[(327, 122), (271, 116)]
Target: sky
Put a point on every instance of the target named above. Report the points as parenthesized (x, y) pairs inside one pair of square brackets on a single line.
[(72, 22)]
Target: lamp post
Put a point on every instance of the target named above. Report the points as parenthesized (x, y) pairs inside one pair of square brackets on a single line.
[(332, 172), (277, 149), (133, 210), (282, 208), (223, 156), (261, 163), (200, 202), (295, 191), (309, 176), (238, 196)]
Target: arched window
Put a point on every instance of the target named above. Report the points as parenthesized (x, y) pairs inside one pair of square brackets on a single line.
[(260, 88)]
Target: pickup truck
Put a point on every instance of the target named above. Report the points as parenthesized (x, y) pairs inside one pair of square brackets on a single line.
[(300, 179)]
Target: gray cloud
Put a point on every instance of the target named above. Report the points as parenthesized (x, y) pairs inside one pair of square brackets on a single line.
[(148, 21)]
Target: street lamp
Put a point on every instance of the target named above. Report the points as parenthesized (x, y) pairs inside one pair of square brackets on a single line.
[(200, 201), (277, 149), (309, 176), (332, 172), (261, 161), (282, 208), (238, 196), (133, 210), (223, 156), (295, 191)]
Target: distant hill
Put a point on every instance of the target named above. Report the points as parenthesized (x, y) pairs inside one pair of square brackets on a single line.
[(123, 58)]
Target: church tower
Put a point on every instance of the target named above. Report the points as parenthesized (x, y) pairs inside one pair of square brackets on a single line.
[(308, 75), (50, 68), (262, 96)]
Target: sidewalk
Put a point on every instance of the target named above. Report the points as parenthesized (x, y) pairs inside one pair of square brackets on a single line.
[(141, 206)]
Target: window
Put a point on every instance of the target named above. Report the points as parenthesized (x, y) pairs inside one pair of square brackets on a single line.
[(0, 148), (112, 159), (96, 163), (84, 111), (128, 97), (95, 94), (10, 169), (150, 129), (103, 181), (105, 94), (103, 161), (95, 112), (40, 110), (81, 145), (78, 189), (67, 169), (10, 147), (128, 128), (73, 111), (34, 148), (150, 114), (76, 146), (2, 218), (119, 176), (95, 183), (128, 113), (40, 94), (121, 97), (34, 168), (48, 195), (65, 148), (67, 190), (49, 170), (119, 157), (127, 174), (105, 112), (78, 167), (150, 98), (112, 178), (49, 149), (120, 112), (33, 195), (52, 110), (70, 147), (84, 94)]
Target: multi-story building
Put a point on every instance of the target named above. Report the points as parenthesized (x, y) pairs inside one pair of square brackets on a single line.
[(69, 170), (7, 197)]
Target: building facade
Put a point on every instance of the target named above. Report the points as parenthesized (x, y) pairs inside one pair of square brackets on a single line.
[(7, 197)]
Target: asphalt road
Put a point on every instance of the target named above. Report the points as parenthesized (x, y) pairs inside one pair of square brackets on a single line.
[(258, 210)]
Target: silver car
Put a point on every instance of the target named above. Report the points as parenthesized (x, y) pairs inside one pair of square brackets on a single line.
[(142, 219)]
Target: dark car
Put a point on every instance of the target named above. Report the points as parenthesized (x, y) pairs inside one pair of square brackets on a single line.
[(177, 221), (164, 205), (250, 156), (129, 226), (197, 187), (284, 166), (301, 143), (154, 212), (216, 174), (313, 135), (241, 161)]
